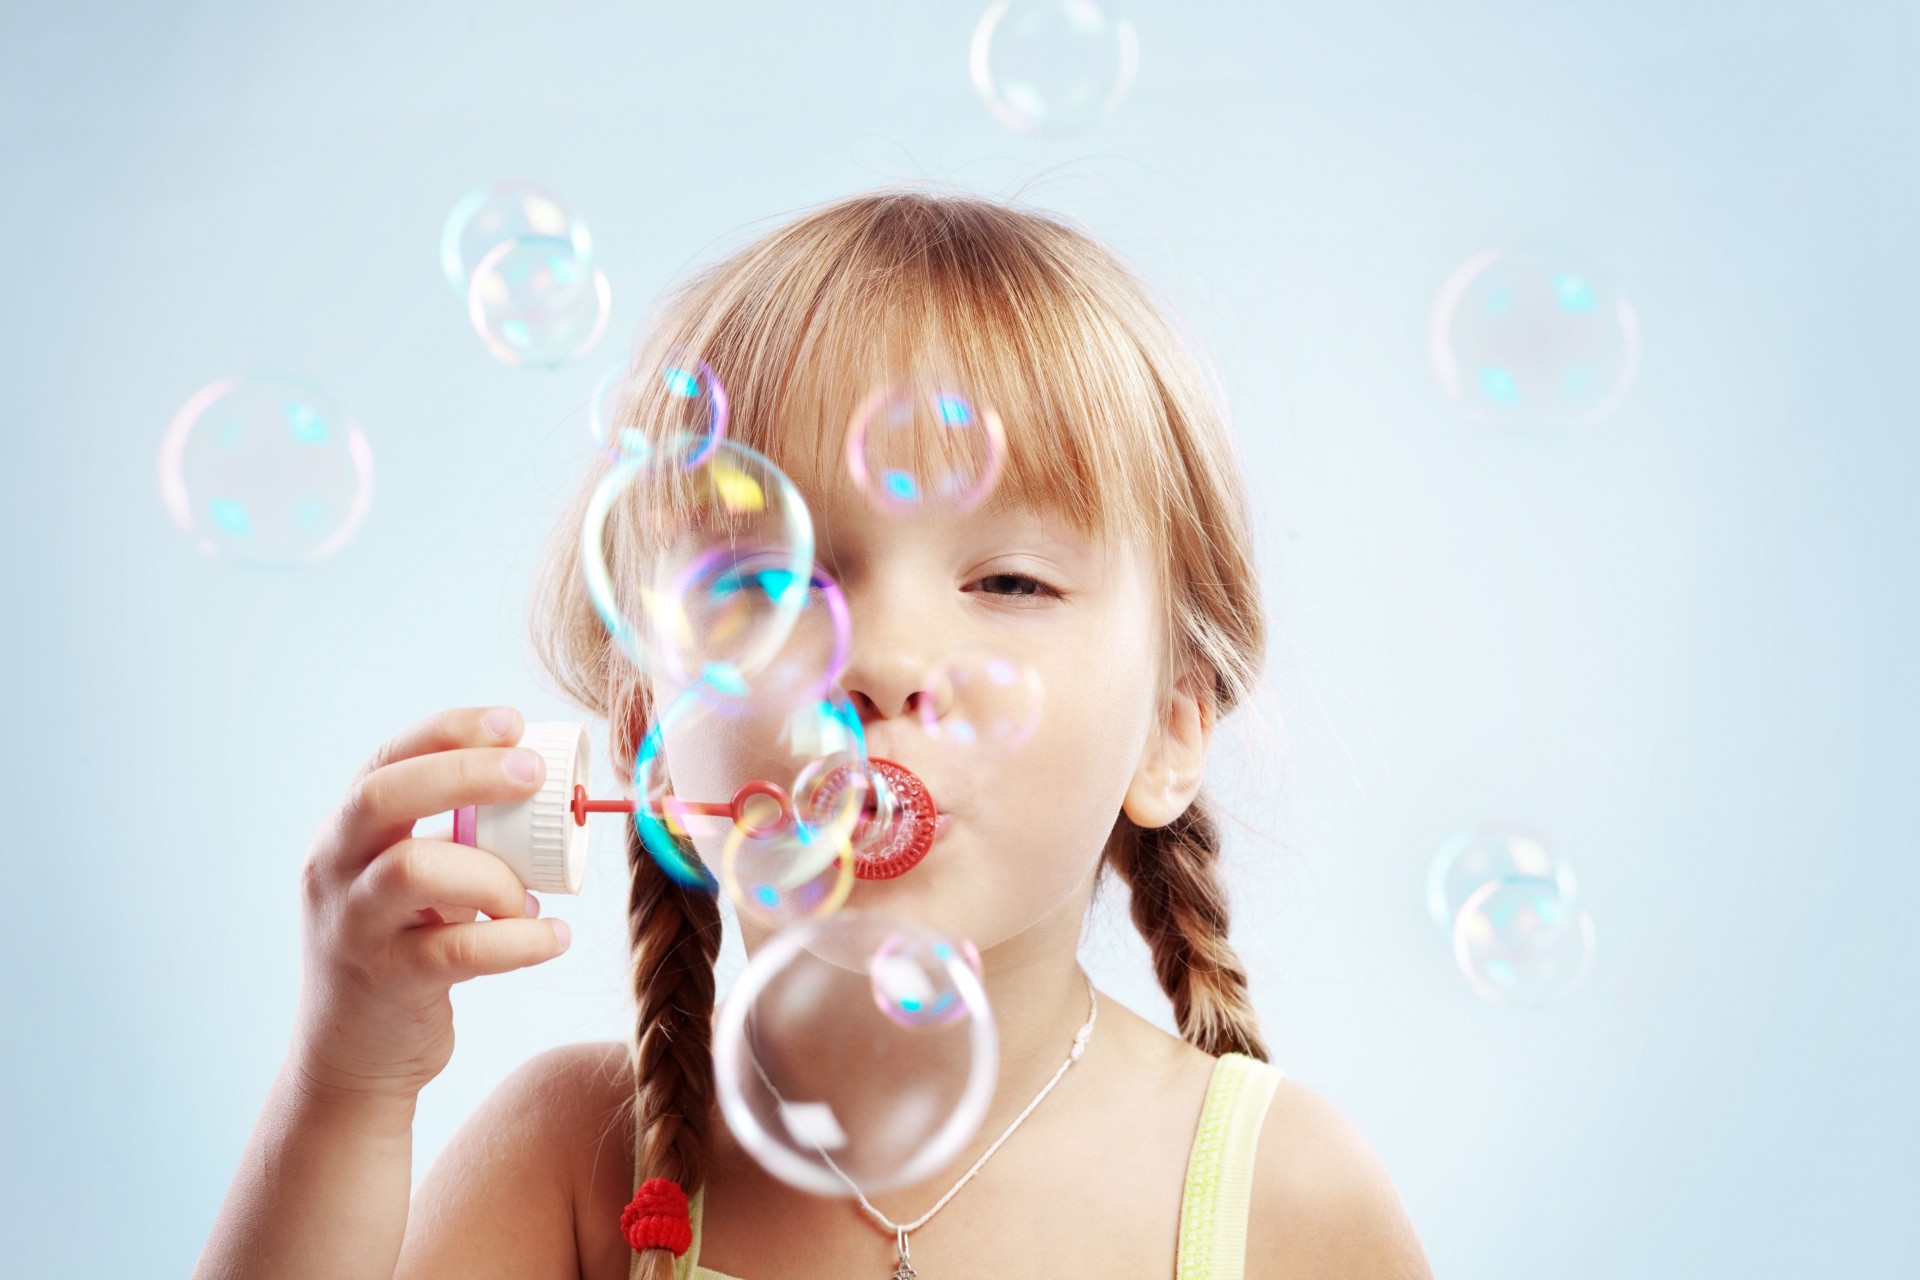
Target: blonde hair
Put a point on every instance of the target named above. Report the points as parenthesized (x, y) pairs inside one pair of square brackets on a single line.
[(1109, 423)]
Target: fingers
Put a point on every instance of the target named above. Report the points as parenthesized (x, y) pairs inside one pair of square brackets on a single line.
[(382, 807), (419, 876), (445, 730), (449, 953)]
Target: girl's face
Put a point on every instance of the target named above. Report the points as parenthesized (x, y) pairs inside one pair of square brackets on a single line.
[(1031, 798)]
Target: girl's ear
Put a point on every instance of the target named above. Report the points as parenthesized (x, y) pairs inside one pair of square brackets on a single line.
[(1168, 777)]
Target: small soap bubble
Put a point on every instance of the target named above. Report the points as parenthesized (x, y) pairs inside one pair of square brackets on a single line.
[(534, 302), (1518, 940), (509, 209), (855, 1054), (1484, 851), (681, 400), (914, 450), (780, 878), (913, 979), (265, 472), (1053, 67), (1533, 338), (981, 699)]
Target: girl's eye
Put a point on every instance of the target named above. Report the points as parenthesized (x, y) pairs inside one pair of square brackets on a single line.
[(1016, 584)]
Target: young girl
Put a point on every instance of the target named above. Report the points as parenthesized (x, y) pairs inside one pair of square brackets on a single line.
[(1114, 561)]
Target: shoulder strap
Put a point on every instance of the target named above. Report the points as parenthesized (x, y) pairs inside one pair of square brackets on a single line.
[(1219, 1189)]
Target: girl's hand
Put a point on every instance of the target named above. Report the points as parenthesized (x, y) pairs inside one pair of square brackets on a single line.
[(388, 919)]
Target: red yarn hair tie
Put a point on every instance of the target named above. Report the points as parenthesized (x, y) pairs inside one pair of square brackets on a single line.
[(657, 1218)]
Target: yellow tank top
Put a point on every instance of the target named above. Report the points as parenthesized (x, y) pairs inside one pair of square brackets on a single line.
[(1213, 1204)]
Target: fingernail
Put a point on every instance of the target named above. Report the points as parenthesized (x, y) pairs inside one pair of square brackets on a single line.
[(562, 934), (523, 765), (533, 906), (498, 722)]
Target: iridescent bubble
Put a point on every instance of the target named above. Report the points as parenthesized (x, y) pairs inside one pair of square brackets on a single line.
[(533, 302), (981, 699), (1053, 67), (1485, 851), (265, 472), (781, 878), (924, 449), (507, 210), (913, 979), (1531, 337), (699, 571), (824, 1085), (680, 398), (743, 783), (1518, 940)]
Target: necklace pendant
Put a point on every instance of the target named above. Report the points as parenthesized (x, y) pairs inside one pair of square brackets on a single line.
[(905, 1270)]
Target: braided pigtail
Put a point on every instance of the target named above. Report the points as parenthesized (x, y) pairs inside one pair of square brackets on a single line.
[(1180, 908), (673, 936)]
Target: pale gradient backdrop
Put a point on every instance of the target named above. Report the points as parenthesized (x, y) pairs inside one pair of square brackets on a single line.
[(1680, 643)]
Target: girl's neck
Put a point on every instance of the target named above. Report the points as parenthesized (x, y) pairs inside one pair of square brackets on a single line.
[(1038, 995)]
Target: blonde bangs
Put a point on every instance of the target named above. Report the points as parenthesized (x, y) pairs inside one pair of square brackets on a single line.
[(927, 294)]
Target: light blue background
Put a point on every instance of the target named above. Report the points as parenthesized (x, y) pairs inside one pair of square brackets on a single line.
[(1680, 643)]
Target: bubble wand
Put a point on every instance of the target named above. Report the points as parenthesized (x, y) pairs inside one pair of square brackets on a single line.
[(543, 838)]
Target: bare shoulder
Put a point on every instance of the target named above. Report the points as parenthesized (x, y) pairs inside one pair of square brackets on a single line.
[(500, 1199), (592, 1100), (1323, 1205)]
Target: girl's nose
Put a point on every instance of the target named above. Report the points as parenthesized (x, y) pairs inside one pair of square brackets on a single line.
[(889, 659)]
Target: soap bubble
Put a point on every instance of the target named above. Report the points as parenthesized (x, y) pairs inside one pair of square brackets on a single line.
[(534, 302), (265, 472), (768, 790), (713, 564), (507, 210), (1484, 851), (1519, 940), (1531, 337), (1053, 67), (681, 397), (914, 449), (832, 1066), (981, 699)]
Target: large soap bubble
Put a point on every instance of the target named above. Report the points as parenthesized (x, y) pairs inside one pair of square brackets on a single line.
[(1531, 337), (265, 472), (856, 1052), (1053, 67)]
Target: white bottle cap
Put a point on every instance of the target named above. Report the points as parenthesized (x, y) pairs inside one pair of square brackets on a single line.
[(538, 837)]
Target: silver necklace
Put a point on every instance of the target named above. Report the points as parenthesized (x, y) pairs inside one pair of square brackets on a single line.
[(905, 1271)]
